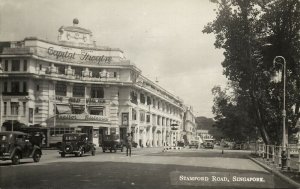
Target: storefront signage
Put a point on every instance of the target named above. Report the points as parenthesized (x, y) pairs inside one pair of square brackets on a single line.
[(86, 117), (83, 56)]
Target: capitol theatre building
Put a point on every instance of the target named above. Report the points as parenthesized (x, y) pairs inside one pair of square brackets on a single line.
[(74, 85)]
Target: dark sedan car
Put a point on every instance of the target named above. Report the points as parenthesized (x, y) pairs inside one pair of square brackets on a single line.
[(76, 143), (16, 145), (208, 145), (112, 143)]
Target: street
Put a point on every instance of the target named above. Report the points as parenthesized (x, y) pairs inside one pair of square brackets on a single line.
[(146, 168)]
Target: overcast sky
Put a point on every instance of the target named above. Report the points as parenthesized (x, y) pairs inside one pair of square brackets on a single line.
[(162, 37)]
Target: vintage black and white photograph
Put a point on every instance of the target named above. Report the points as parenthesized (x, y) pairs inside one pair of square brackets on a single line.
[(149, 94)]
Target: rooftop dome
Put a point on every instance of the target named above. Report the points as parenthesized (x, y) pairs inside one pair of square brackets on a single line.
[(74, 28)]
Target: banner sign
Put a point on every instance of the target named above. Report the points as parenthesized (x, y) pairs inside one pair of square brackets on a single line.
[(86, 117)]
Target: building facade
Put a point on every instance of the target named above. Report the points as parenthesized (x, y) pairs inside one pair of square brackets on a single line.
[(189, 125), (73, 85), (204, 135)]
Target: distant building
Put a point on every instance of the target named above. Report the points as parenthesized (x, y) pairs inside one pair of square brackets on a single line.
[(204, 135), (189, 125), (73, 85)]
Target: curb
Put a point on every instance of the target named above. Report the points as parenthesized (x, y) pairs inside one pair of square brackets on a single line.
[(277, 173)]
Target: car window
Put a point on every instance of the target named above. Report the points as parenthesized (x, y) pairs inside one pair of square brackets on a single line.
[(71, 137), (20, 138), (3, 137)]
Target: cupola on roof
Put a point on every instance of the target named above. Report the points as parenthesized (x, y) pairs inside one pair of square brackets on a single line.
[(75, 34)]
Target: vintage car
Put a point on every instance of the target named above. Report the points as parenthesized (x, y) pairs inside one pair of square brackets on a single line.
[(208, 144), (16, 145), (194, 144), (76, 143), (112, 143)]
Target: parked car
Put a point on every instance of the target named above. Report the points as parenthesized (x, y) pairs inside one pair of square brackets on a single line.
[(237, 146), (18, 145), (76, 143), (208, 144), (180, 144), (112, 143), (194, 144)]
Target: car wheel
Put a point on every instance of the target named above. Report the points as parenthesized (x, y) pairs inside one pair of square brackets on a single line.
[(36, 156), (68, 148), (62, 154), (15, 159)]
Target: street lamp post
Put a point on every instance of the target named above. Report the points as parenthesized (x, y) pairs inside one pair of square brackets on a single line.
[(284, 142)]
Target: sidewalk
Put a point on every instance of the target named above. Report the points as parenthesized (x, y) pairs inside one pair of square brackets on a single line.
[(292, 176)]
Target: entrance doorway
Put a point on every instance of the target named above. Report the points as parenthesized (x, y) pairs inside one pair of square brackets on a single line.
[(102, 131), (88, 130), (123, 133)]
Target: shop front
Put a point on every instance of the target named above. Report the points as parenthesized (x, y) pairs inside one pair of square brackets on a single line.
[(93, 125)]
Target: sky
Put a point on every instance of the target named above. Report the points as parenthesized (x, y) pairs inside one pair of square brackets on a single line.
[(162, 37)]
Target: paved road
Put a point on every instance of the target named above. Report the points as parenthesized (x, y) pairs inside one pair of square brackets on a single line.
[(146, 168)]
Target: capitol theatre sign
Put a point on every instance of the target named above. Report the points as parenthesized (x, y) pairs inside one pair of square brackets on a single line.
[(83, 56)]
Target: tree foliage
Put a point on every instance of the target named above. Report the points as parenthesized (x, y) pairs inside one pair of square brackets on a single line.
[(243, 29)]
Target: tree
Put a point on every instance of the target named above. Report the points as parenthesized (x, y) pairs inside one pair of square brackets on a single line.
[(242, 29), (232, 119)]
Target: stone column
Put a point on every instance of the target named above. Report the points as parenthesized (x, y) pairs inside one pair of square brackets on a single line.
[(160, 138), (150, 136), (155, 138), (138, 136), (144, 138)]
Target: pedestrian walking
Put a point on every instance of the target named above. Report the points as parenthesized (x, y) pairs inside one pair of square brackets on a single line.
[(128, 144)]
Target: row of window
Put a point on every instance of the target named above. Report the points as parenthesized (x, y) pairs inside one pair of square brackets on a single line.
[(91, 111), (79, 90), (61, 69), (79, 71), (15, 65), (59, 130), (15, 86), (147, 101), (14, 108), (60, 89), (159, 119)]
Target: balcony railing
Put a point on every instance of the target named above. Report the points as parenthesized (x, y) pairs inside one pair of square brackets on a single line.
[(75, 100), (15, 93), (22, 50), (95, 100), (84, 76)]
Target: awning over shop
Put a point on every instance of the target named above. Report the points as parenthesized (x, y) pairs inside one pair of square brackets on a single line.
[(96, 107), (63, 109), (78, 106)]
